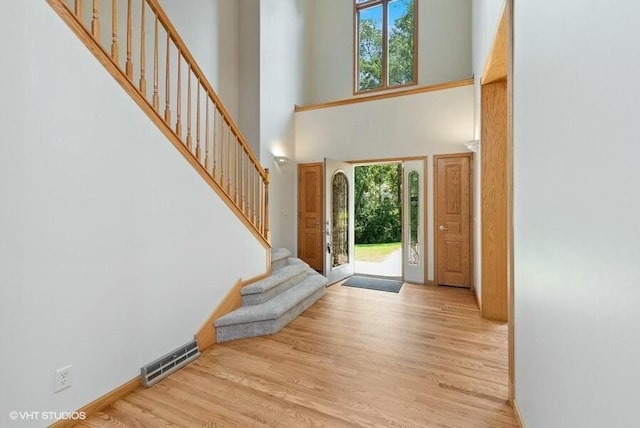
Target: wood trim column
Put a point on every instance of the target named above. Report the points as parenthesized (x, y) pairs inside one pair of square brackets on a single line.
[(494, 201)]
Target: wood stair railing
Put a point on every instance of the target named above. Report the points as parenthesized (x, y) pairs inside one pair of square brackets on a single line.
[(155, 67)]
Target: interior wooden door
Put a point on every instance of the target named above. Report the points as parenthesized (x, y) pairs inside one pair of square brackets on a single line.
[(453, 206), (310, 215)]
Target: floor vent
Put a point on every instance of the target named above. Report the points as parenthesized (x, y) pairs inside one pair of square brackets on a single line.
[(162, 367)]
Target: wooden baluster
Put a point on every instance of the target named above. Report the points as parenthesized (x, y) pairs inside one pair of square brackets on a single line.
[(234, 189), (216, 138), (223, 124), (189, 140), (95, 21), (260, 205), (256, 197), (243, 168), (198, 151), (167, 98), (267, 230), (228, 142), (143, 52), (129, 63), (156, 97), (207, 159), (179, 100), (238, 165), (115, 54), (78, 10), (253, 195), (249, 181)]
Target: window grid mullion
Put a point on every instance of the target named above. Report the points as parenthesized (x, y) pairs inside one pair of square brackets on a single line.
[(385, 44), (360, 6)]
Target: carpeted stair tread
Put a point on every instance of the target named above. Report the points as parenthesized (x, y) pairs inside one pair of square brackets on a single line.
[(277, 306), (277, 277), (279, 254)]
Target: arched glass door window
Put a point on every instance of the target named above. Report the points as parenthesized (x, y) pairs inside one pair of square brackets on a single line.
[(340, 220), (414, 219)]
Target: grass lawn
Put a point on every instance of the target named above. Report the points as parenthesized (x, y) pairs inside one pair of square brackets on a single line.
[(375, 252)]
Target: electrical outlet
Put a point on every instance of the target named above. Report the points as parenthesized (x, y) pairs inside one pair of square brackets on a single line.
[(62, 379)]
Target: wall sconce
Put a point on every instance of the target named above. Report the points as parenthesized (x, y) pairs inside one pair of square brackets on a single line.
[(281, 160), (473, 145)]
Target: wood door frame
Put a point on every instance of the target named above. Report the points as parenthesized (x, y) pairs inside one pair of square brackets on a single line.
[(435, 214), (499, 66), (425, 181)]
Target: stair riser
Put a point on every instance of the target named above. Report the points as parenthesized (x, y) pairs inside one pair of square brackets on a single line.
[(256, 299), (261, 328), (278, 264)]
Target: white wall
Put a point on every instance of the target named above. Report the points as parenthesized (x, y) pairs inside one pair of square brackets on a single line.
[(576, 211), (209, 29), (113, 249), (486, 15), (424, 124), (281, 70), (249, 72), (444, 43)]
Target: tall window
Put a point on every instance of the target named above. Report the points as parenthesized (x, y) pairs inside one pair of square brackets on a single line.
[(385, 44)]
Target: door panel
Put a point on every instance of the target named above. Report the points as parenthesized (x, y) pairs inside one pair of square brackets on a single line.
[(310, 212), (453, 220), (339, 239), (413, 229)]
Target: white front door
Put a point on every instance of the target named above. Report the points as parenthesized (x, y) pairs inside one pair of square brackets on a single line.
[(414, 243), (339, 224)]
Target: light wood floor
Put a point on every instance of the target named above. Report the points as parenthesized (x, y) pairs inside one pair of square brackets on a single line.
[(420, 358)]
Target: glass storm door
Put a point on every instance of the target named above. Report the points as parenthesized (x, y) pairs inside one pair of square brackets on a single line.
[(339, 220), (414, 243)]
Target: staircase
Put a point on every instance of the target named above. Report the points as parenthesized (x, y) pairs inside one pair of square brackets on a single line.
[(139, 46), (271, 303)]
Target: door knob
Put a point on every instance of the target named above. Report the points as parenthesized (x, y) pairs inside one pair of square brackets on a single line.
[(443, 228)]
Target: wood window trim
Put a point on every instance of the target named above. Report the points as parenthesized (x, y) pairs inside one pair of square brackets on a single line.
[(357, 7)]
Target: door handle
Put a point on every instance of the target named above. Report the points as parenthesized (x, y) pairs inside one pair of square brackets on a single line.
[(443, 228)]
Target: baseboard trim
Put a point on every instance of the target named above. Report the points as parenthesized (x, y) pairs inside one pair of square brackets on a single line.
[(100, 403), (206, 335), (516, 410)]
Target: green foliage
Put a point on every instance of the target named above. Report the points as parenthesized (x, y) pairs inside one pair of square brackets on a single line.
[(377, 203), (400, 50), (370, 54)]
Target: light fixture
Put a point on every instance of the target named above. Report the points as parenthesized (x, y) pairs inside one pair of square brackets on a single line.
[(281, 160), (473, 145)]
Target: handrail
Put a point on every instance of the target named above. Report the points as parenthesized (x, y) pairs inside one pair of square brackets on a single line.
[(164, 19), (221, 154)]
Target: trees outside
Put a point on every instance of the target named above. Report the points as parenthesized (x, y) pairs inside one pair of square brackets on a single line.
[(400, 46), (377, 203)]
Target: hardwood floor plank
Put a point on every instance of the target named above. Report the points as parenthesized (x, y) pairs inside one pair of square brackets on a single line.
[(358, 358)]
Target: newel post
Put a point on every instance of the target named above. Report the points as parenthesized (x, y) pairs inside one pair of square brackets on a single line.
[(267, 229)]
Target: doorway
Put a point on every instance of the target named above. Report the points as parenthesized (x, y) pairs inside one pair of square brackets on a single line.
[(378, 219), (391, 229)]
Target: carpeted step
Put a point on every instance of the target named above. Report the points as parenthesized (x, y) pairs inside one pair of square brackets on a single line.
[(279, 258), (279, 281), (271, 316)]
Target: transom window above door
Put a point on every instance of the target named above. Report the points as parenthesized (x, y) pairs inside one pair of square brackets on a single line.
[(386, 44)]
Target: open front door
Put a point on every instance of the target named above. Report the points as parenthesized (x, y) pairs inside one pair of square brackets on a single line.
[(339, 224), (414, 243)]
